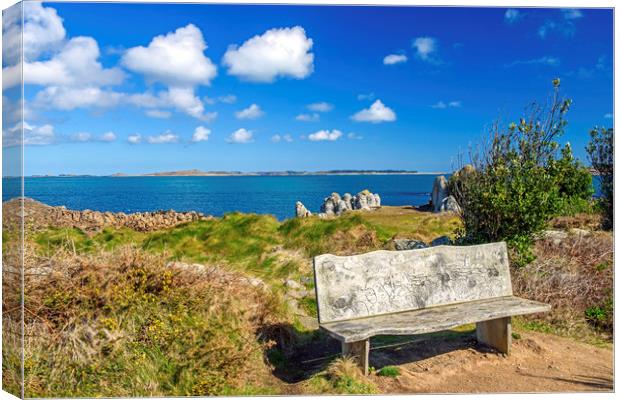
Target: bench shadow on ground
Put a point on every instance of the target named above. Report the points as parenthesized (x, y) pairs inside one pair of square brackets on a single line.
[(297, 355)]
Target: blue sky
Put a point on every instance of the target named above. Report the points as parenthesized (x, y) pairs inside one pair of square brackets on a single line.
[(150, 87)]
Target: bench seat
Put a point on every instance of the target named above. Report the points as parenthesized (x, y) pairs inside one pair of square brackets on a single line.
[(418, 291), (432, 319)]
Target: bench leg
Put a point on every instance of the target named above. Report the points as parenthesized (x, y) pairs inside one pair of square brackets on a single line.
[(497, 333), (359, 351)]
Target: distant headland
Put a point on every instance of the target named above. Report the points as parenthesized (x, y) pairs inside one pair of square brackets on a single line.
[(197, 172)]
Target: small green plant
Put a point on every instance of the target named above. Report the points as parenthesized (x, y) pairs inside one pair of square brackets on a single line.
[(390, 371), (516, 336), (602, 315)]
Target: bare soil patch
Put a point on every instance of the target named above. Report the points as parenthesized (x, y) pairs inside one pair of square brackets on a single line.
[(538, 363)]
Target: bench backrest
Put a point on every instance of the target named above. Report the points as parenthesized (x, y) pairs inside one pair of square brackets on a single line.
[(383, 282)]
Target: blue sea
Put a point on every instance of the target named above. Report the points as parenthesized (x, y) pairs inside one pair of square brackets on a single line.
[(216, 195)]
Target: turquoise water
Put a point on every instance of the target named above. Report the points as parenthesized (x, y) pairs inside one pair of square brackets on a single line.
[(217, 195)]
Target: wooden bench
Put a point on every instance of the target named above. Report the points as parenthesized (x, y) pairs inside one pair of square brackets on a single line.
[(417, 291)]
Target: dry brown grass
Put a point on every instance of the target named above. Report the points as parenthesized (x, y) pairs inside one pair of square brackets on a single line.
[(572, 275), (127, 317), (582, 221)]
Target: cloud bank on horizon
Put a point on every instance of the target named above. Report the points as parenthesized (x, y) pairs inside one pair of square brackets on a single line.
[(184, 76)]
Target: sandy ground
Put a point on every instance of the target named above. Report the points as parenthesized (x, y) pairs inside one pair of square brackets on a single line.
[(454, 362), (537, 363)]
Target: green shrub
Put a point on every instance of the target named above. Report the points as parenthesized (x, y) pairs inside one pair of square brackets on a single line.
[(601, 153), (602, 315), (519, 180), (574, 183), (390, 371)]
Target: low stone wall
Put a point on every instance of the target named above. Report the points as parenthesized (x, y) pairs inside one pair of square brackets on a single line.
[(39, 215)]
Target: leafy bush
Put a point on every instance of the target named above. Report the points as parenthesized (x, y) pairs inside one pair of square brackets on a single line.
[(601, 152), (519, 180), (574, 183)]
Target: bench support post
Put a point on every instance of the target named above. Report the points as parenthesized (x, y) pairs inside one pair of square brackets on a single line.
[(497, 333), (359, 351)]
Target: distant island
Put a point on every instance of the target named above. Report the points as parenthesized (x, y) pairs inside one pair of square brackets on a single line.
[(197, 172)]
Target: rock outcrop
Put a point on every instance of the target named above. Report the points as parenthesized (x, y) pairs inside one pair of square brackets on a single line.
[(441, 198), (336, 205), (409, 244), (441, 240), (440, 192), (39, 215), (301, 211), (449, 204)]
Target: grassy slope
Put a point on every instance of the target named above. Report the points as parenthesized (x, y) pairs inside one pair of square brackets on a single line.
[(254, 245)]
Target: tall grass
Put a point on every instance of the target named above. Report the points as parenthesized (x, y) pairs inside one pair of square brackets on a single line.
[(122, 323)]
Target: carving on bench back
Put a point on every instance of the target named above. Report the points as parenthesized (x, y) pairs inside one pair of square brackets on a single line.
[(383, 282)]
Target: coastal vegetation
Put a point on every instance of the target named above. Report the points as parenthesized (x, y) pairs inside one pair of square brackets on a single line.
[(520, 178), (226, 305)]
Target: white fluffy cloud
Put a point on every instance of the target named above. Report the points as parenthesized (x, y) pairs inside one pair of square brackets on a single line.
[(70, 71), (252, 112), (70, 98), (174, 59), (43, 32), (426, 48), (185, 100), (33, 135), (320, 107), (279, 52), (378, 112), (325, 135), (75, 65), (201, 134), (108, 137), (278, 138), (241, 136), (179, 98), (134, 139), (40, 135), (308, 117), (166, 137), (394, 59), (81, 137)]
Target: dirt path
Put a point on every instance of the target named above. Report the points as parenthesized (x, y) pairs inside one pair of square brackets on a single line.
[(537, 363)]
